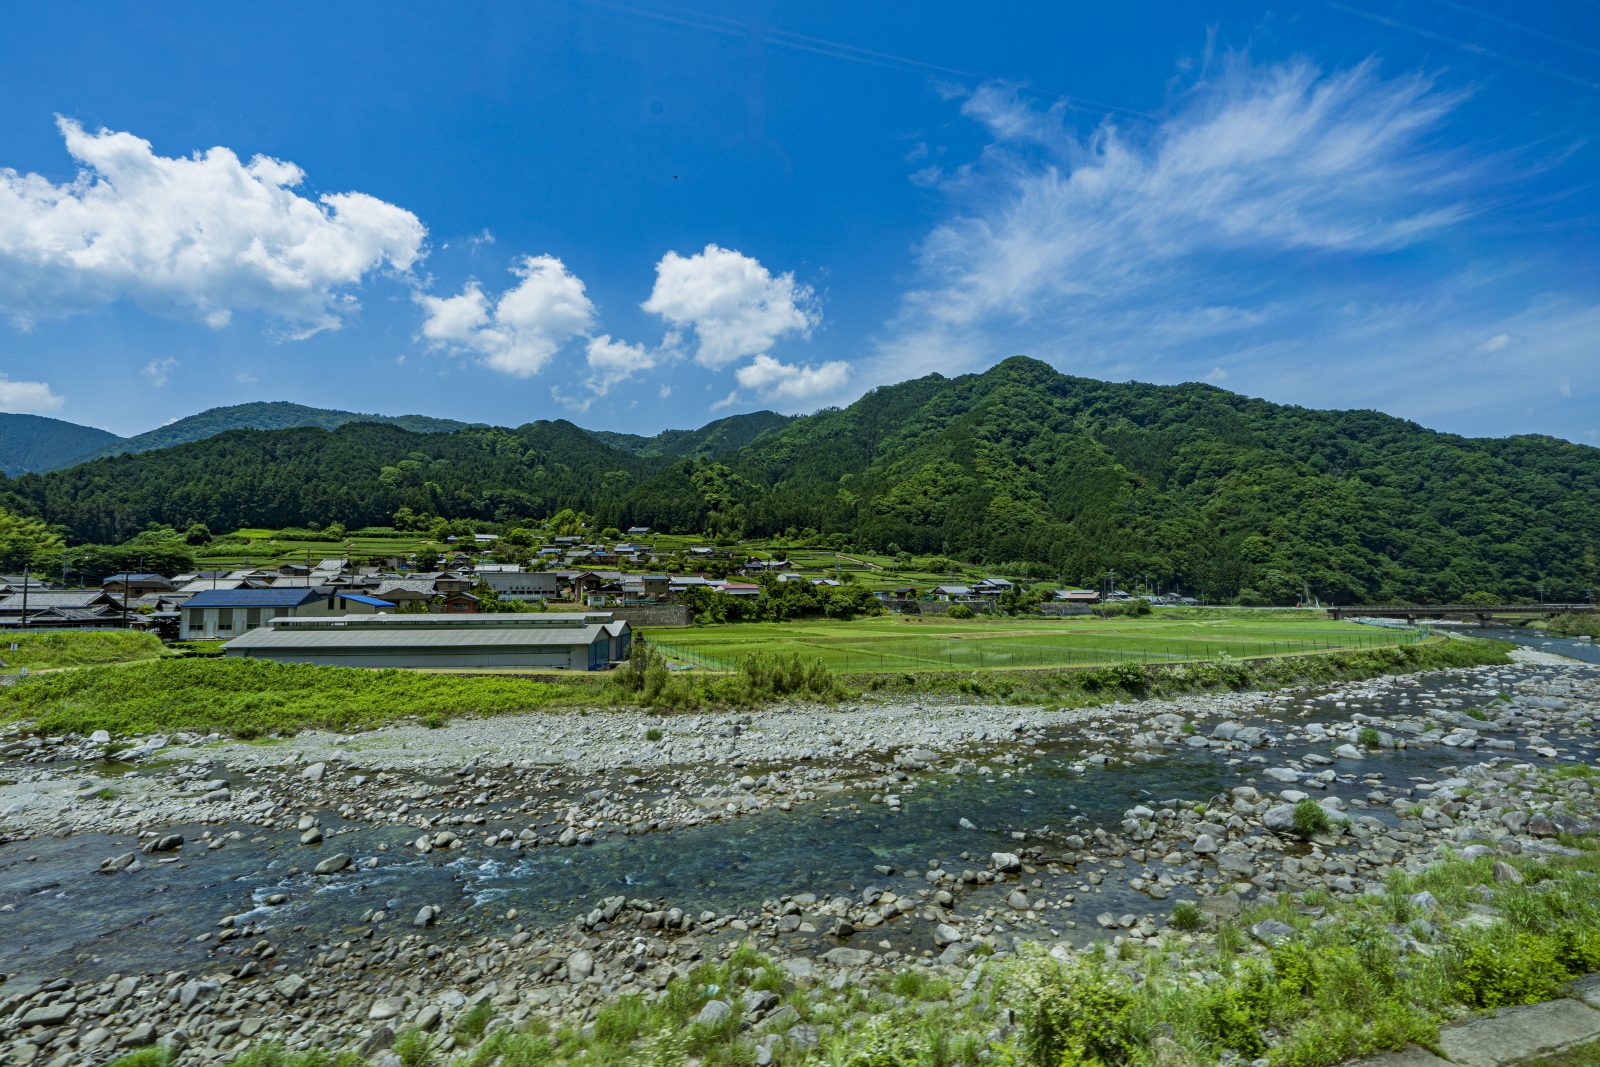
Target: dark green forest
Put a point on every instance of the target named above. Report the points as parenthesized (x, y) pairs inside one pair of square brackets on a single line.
[(1200, 489), (37, 443)]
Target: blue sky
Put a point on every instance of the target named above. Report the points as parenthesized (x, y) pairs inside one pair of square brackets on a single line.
[(643, 215)]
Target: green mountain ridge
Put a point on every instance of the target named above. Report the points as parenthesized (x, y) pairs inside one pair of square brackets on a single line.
[(260, 415), (1020, 466), (713, 439), (38, 443)]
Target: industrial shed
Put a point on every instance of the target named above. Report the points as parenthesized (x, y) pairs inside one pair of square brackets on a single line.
[(589, 641)]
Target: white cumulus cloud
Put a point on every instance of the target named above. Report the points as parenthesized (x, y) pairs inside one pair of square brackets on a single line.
[(520, 331), (792, 385), (206, 235), (159, 371), (28, 397), (736, 307)]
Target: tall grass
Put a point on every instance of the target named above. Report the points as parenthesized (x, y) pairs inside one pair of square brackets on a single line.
[(250, 698), (43, 650)]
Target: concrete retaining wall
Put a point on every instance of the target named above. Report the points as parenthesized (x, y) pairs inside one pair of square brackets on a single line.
[(637, 615)]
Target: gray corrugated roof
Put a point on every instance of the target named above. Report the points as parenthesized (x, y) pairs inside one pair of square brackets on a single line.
[(286, 638), (54, 598)]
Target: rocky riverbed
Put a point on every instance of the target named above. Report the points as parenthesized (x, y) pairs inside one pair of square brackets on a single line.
[(330, 891)]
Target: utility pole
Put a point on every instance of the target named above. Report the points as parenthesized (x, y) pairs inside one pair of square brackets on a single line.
[(24, 596)]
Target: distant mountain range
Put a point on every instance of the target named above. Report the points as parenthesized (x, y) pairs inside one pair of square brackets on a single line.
[(1028, 470), (31, 443), (35, 443)]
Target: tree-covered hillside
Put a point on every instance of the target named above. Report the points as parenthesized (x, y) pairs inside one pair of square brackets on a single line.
[(260, 415), (36, 443), (359, 474), (1192, 486), (709, 441)]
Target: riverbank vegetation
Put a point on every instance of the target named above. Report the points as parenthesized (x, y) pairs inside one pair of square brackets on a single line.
[(1071, 688), (46, 649), (251, 698), (1570, 625), (1305, 981)]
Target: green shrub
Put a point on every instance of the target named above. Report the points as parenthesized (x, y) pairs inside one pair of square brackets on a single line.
[(1310, 818), (1368, 737), (1079, 1014), (1187, 916), (959, 612), (1497, 968)]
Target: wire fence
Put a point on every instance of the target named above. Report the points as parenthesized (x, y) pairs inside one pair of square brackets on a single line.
[(934, 654)]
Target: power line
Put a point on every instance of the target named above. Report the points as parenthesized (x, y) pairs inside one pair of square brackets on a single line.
[(1466, 46), (801, 42), (1519, 26)]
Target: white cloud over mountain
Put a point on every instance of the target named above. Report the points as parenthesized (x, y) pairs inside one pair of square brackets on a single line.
[(29, 398), (205, 235), (793, 386), (736, 307), (518, 332)]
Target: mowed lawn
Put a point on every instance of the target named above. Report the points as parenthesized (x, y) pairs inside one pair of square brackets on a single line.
[(909, 643)]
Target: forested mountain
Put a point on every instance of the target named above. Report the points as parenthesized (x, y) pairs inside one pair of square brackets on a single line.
[(1195, 487), (260, 415), (709, 441), (37, 443)]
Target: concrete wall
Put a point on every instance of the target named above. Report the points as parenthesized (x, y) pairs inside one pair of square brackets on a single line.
[(637, 615), (934, 607), (547, 657)]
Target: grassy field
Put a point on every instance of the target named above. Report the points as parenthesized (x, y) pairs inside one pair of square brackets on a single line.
[(40, 651), (926, 643), (252, 698)]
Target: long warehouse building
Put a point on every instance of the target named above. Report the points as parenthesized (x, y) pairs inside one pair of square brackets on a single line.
[(588, 641)]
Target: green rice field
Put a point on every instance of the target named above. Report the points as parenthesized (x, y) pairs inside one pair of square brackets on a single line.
[(901, 643)]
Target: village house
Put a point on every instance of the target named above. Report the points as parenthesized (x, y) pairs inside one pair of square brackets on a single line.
[(13, 583), (525, 586), (61, 609), (224, 613), (137, 584)]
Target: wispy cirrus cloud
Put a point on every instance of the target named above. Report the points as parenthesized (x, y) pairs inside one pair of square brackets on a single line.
[(159, 371), (1053, 232), (1308, 235)]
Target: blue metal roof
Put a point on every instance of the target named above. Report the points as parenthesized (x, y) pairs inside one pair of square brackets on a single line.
[(372, 600), (253, 598)]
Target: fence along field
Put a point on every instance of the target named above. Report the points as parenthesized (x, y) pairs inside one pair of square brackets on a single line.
[(908, 644)]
